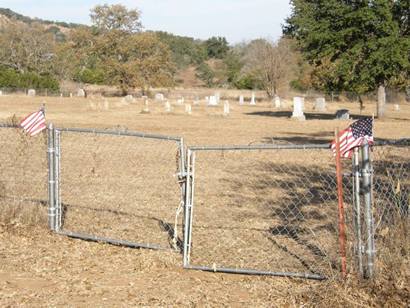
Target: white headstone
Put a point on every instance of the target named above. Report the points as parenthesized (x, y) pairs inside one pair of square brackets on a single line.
[(217, 97), (241, 100), (145, 109), (188, 108), (71, 94), (342, 114), (167, 106), (81, 93), (61, 94), (253, 102), (226, 108), (1, 93), (159, 97), (31, 92), (181, 101), (129, 99), (396, 107), (207, 99), (277, 102), (298, 106), (212, 101), (320, 104)]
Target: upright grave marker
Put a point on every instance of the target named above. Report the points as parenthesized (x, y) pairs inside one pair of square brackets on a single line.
[(320, 104), (241, 100), (226, 108), (253, 102), (298, 106)]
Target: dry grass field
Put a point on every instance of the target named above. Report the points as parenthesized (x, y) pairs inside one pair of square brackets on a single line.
[(115, 187)]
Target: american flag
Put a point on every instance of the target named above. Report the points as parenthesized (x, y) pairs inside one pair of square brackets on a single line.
[(34, 123), (354, 136)]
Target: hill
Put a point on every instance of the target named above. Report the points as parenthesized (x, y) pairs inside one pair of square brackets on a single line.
[(7, 16)]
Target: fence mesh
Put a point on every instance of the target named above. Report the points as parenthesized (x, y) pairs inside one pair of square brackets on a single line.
[(121, 187), (267, 210), (23, 176)]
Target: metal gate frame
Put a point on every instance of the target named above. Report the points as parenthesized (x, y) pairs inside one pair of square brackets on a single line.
[(189, 207), (55, 211)]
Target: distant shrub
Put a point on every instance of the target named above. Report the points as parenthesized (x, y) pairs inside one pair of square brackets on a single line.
[(92, 76), (10, 78)]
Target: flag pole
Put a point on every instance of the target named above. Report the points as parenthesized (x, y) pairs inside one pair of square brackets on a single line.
[(342, 232)]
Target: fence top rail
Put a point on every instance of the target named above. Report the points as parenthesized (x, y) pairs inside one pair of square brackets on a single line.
[(118, 133), (402, 141), (256, 147), (7, 125)]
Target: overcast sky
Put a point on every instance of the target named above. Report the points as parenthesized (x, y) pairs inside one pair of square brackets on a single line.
[(237, 20)]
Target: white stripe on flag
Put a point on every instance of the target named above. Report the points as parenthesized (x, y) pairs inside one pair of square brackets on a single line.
[(28, 119)]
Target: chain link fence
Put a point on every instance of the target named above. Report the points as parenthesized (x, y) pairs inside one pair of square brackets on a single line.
[(257, 209), (268, 210), (118, 187), (23, 176)]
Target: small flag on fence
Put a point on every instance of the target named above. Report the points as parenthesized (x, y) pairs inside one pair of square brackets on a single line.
[(34, 123), (354, 136)]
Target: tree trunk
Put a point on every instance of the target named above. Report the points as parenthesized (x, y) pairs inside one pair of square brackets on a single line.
[(381, 101)]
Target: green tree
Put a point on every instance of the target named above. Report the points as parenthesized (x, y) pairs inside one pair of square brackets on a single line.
[(355, 46), (217, 47)]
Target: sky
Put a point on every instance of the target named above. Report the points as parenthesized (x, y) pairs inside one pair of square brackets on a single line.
[(237, 20)]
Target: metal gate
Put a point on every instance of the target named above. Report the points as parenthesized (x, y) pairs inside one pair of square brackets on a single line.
[(267, 210), (119, 187)]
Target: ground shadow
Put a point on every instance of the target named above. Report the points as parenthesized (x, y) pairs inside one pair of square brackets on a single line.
[(308, 115)]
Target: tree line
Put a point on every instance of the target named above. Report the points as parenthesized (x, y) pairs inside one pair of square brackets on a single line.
[(327, 45)]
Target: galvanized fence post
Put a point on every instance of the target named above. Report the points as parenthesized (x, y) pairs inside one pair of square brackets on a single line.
[(187, 209), (357, 212), (51, 179), (57, 156), (368, 212)]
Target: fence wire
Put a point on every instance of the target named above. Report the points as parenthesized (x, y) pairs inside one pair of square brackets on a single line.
[(23, 176), (267, 210), (119, 187)]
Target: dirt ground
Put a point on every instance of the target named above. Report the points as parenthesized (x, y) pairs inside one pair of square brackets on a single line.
[(39, 268)]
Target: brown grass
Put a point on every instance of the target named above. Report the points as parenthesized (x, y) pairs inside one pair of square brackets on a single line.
[(42, 269)]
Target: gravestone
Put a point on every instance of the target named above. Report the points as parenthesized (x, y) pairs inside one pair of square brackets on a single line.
[(277, 102), (253, 102), (226, 108), (145, 109), (396, 107), (212, 101), (320, 104), (298, 107), (159, 97), (167, 106), (71, 95), (188, 108), (31, 92), (81, 93), (217, 97), (241, 100), (207, 99), (129, 99), (342, 114), (1, 93)]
